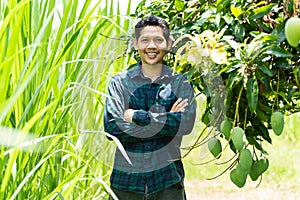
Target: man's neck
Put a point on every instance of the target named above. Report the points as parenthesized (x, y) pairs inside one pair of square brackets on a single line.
[(152, 71)]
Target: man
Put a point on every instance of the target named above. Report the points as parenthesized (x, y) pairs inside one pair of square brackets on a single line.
[(149, 109)]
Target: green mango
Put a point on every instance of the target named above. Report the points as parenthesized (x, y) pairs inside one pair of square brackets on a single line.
[(258, 168), (238, 176), (277, 122), (263, 165), (254, 171), (215, 147), (245, 159), (226, 126), (292, 31), (238, 137)]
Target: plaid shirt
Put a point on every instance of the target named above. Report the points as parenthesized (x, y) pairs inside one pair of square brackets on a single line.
[(153, 140)]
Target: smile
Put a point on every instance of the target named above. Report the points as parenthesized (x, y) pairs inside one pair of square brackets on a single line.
[(152, 54)]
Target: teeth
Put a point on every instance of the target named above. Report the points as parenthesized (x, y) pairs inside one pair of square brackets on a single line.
[(152, 55)]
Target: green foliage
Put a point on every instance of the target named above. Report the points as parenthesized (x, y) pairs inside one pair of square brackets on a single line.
[(55, 60), (236, 53), (215, 147)]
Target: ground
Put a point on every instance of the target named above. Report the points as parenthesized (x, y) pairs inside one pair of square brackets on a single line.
[(214, 190)]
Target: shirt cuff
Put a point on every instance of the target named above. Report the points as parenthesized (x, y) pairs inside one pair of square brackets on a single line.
[(141, 117)]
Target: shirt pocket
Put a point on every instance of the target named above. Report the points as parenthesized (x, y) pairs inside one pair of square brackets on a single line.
[(166, 103)]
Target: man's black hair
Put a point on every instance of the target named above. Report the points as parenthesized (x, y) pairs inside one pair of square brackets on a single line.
[(152, 21)]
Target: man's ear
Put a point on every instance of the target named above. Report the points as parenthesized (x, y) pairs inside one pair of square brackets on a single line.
[(135, 44)]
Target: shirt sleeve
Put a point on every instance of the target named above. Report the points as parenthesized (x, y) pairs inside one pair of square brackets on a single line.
[(171, 123)]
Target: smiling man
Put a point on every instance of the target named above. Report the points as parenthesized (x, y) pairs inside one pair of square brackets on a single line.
[(149, 110)]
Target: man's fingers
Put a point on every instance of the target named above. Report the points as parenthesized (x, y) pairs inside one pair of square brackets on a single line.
[(182, 105), (179, 105), (174, 107), (177, 102)]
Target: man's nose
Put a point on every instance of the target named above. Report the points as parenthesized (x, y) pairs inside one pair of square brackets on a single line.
[(152, 44)]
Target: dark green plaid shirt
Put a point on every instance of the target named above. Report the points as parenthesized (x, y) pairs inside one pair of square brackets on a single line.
[(153, 140)]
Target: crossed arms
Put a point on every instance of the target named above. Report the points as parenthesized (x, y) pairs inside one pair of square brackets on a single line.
[(123, 122)]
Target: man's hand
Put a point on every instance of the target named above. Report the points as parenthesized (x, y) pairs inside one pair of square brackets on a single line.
[(179, 105), (128, 114)]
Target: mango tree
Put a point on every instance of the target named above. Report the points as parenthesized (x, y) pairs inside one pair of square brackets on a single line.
[(240, 56)]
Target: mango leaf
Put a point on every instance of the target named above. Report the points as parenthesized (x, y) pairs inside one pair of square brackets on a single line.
[(265, 68), (252, 93), (279, 32), (228, 18), (261, 130), (284, 65), (236, 11), (264, 132), (278, 52), (233, 79), (252, 141), (230, 40), (179, 5), (262, 11), (239, 31)]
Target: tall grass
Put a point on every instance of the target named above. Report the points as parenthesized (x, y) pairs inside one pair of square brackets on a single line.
[(56, 58)]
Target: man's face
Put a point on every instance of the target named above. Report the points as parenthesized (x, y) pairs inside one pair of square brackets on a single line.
[(152, 45)]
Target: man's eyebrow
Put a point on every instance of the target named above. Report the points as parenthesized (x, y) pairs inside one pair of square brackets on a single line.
[(144, 37), (154, 36)]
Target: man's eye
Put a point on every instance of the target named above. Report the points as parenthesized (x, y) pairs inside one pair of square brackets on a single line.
[(159, 40), (145, 40)]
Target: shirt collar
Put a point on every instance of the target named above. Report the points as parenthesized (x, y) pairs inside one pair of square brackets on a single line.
[(137, 71)]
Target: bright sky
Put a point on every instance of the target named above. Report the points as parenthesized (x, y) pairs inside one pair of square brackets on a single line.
[(124, 3), (123, 7)]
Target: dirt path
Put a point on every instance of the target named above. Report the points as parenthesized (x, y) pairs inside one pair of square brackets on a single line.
[(218, 190)]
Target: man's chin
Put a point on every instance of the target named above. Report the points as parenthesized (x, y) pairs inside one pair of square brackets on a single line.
[(153, 62)]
